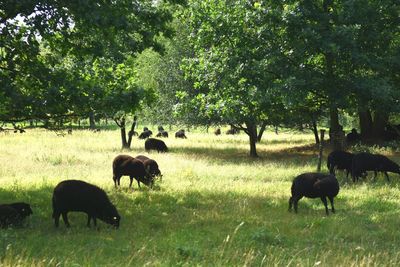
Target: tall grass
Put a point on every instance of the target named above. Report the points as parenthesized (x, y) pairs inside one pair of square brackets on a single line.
[(215, 205)]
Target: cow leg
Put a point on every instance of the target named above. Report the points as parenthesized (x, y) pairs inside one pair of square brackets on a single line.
[(387, 176), (138, 183), (65, 218), (353, 175), (332, 170), (331, 200), (325, 204), (115, 180), (375, 174), (290, 203), (56, 216), (130, 182), (295, 201)]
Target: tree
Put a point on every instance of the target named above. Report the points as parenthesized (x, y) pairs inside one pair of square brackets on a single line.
[(97, 29), (339, 50), (233, 67), (72, 58)]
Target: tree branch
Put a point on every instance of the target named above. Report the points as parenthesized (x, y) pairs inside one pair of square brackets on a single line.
[(240, 127)]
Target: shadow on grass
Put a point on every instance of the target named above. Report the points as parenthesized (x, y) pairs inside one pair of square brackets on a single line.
[(193, 226), (297, 155)]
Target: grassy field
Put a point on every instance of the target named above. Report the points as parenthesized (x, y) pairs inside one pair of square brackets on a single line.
[(214, 207)]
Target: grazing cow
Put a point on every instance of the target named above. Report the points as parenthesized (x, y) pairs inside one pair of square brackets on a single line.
[(134, 168), (9, 216), (162, 134), (14, 213), (354, 136), (363, 162), (150, 165), (75, 195), (145, 134), (340, 160), (180, 134), (24, 209), (155, 144), (314, 185), (232, 131)]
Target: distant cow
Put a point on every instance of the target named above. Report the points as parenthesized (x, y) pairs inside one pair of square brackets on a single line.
[(354, 136), (217, 132), (145, 134), (134, 133), (232, 131), (363, 162), (134, 168), (180, 134), (155, 144), (75, 195), (162, 134)]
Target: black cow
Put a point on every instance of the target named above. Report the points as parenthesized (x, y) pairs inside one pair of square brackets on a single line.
[(180, 134), (14, 213), (155, 144), (363, 162), (314, 185), (340, 160), (75, 195), (134, 168)]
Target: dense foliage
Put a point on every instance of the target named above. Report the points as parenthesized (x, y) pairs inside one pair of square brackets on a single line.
[(245, 63)]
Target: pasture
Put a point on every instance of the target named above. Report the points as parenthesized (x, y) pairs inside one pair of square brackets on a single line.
[(215, 206)]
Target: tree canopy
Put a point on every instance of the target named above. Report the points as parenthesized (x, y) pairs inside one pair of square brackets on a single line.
[(248, 64)]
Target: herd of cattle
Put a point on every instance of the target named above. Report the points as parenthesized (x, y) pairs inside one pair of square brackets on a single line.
[(319, 185), (75, 195)]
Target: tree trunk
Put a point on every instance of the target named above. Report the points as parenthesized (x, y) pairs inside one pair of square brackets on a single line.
[(380, 121), (365, 124), (121, 124), (252, 132), (336, 132), (130, 134), (315, 129), (321, 147), (261, 132), (92, 123)]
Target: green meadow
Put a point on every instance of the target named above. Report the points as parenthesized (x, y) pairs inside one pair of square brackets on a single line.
[(215, 206)]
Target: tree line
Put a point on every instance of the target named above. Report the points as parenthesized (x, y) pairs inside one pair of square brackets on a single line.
[(249, 64)]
